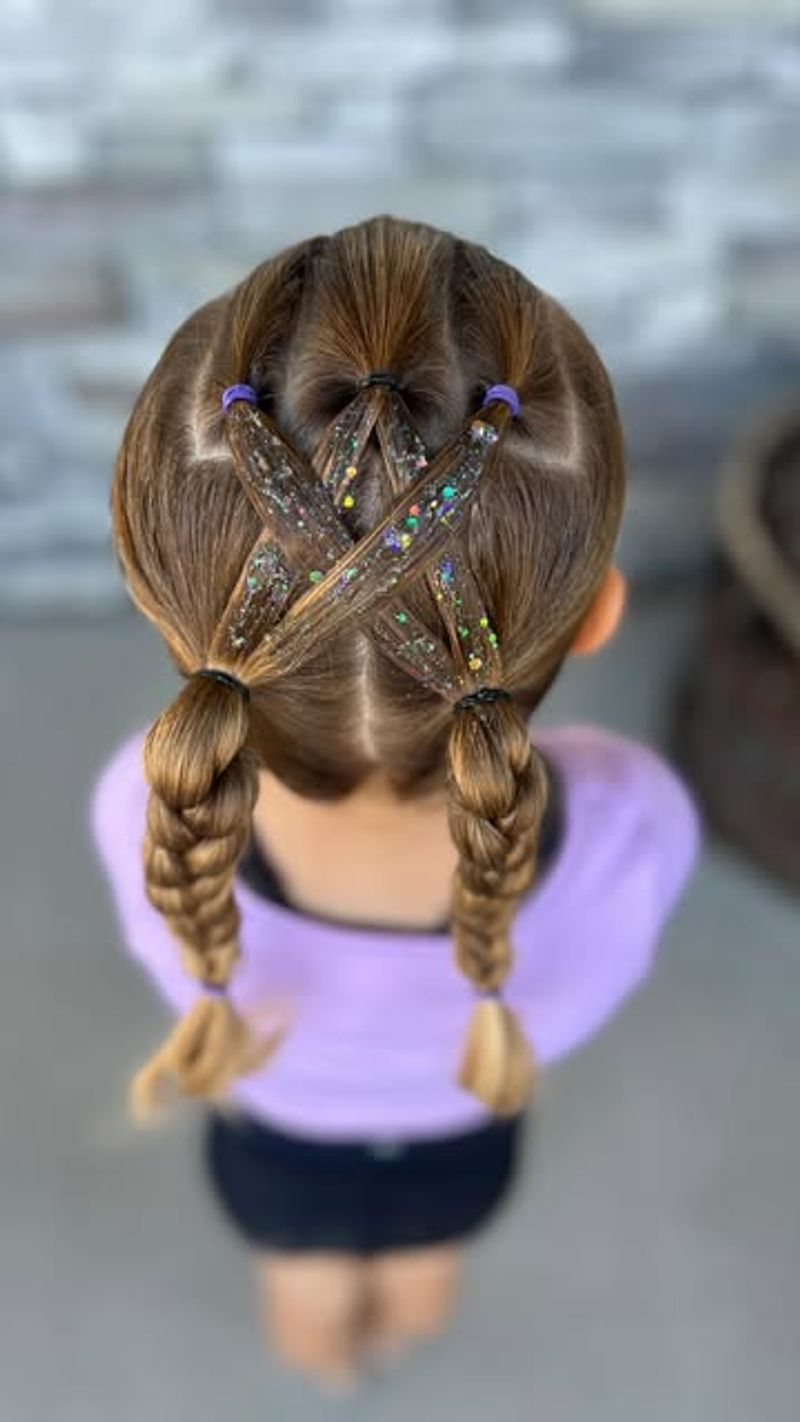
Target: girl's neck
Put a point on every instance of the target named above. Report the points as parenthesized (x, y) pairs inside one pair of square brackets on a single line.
[(367, 859)]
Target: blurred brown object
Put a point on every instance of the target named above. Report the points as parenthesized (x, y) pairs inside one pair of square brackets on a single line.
[(739, 714)]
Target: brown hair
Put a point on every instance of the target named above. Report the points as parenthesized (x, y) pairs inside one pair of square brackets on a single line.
[(201, 496)]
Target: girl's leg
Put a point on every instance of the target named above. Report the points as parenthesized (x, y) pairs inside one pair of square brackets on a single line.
[(412, 1294), (312, 1307)]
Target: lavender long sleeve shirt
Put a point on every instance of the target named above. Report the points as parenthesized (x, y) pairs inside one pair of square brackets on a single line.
[(379, 1016)]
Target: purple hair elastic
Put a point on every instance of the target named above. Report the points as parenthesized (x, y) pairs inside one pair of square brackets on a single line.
[(216, 989), (491, 994), (238, 392), (506, 393)]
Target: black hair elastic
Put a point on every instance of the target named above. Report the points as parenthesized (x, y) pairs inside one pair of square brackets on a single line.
[(483, 694), (380, 377), (227, 680)]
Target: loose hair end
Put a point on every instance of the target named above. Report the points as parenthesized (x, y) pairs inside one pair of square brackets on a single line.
[(498, 1064), (208, 1049)]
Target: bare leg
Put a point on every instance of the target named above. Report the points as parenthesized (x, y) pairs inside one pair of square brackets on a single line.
[(412, 1295), (312, 1307)]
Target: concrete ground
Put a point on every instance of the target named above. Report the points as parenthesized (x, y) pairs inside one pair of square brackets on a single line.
[(649, 1266)]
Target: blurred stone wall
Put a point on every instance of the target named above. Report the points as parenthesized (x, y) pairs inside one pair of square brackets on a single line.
[(637, 159)]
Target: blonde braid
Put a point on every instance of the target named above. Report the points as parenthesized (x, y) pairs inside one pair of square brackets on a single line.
[(497, 792), (203, 786)]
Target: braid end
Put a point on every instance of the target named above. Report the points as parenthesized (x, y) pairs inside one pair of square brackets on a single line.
[(207, 1050), (498, 1064)]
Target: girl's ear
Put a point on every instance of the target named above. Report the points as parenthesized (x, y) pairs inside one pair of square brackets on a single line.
[(604, 615)]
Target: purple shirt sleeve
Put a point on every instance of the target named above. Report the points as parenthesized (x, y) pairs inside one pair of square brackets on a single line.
[(632, 843)]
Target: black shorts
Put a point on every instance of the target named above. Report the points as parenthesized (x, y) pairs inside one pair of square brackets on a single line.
[(287, 1193)]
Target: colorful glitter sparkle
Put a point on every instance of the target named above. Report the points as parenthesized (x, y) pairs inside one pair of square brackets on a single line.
[(302, 509), (342, 447), (473, 640), (260, 598), (484, 432), (285, 493)]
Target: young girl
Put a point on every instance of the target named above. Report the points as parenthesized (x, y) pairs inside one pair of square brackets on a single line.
[(370, 499)]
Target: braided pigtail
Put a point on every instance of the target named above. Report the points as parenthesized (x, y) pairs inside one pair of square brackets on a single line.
[(497, 791), (203, 786)]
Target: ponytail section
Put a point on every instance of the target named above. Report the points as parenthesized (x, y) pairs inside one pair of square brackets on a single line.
[(203, 786), (497, 791)]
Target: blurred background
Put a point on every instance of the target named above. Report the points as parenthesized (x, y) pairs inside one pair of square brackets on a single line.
[(639, 160)]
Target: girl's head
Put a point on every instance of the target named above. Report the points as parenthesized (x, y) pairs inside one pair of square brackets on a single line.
[(361, 556)]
